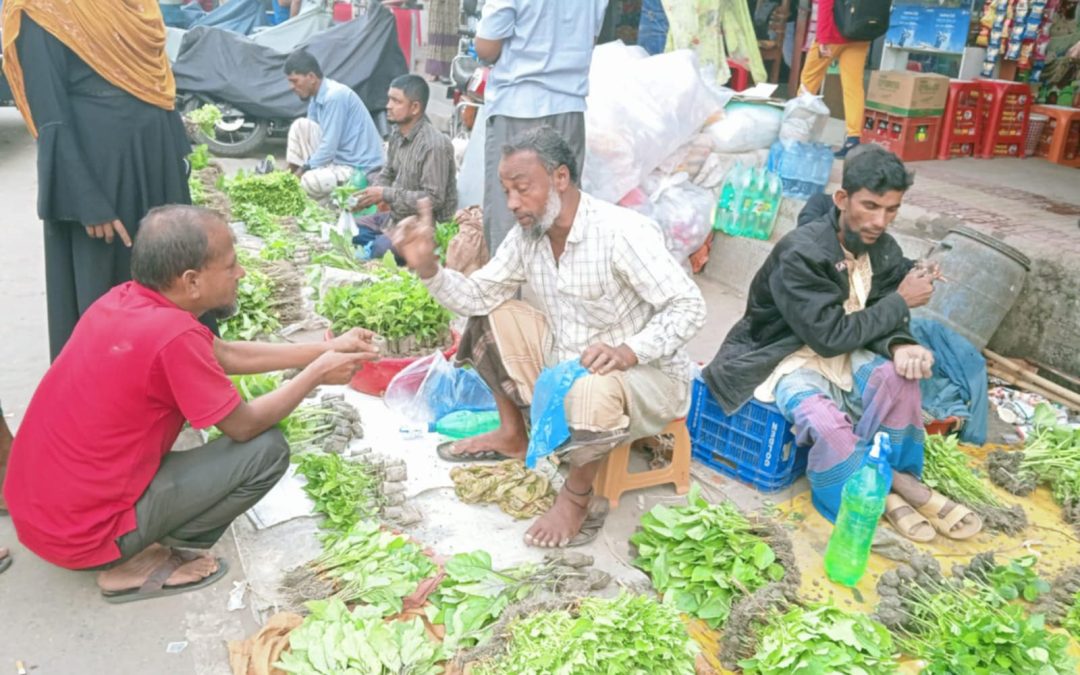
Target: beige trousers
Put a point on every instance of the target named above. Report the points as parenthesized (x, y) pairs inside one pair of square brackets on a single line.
[(304, 138)]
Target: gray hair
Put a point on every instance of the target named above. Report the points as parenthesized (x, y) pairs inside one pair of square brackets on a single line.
[(550, 147), (171, 240)]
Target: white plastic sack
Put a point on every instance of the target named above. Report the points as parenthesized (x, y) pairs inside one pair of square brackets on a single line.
[(805, 117), (683, 211), (639, 109), (745, 127)]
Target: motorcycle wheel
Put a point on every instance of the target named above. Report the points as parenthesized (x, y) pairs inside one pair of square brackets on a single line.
[(234, 136)]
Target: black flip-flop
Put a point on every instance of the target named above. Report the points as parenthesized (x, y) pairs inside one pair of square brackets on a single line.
[(154, 586), (444, 452), (5, 562)]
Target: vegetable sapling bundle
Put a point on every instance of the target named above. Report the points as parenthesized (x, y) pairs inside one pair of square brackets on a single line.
[(946, 469)]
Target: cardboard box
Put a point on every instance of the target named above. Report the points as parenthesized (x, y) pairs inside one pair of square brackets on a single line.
[(907, 93)]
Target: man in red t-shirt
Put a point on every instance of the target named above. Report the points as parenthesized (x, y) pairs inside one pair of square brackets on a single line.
[(829, 45), (91, 482)]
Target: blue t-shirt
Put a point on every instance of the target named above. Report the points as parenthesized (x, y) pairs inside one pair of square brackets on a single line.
[(349, 136), (546, 51)]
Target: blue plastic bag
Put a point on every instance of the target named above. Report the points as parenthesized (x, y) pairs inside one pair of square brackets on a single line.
[(548, 414)]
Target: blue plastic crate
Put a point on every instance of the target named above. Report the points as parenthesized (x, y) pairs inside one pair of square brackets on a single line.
[(755, 445)]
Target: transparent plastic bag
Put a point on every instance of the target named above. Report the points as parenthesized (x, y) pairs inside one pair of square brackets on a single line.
[(745, 127), (805, 117), (432, 387), (683, 210)]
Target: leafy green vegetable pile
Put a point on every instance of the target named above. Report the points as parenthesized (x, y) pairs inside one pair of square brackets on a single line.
[(332, 641), (198, 192), (397, 306), (704, 556), (946, 469), (255, 315), (627, 634), (343, 491), (1051, 456), (278, 192), (822, 639), (199, 157), (369, 565), (206, 118), (1014, 579), (965, 627), (258, 220), (444, 232)]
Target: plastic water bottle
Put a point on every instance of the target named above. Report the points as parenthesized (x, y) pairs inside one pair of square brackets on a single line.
[(358, 181), (861, 504), (822, 168), (723, 219), (794, 170), (466, 423)]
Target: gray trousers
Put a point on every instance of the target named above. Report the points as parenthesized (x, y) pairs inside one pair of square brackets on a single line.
[(197, 493), (498, 220)]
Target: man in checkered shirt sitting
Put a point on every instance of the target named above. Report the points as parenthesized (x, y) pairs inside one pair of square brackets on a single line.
[(603, 289)]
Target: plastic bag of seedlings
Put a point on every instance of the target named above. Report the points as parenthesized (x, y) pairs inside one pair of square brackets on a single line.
[(432, 387)]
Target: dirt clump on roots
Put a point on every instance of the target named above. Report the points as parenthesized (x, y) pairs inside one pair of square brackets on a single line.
[(1056, 604), (301, 585), (894, 588), (288, 291), (749, 612), (1005, 471), (1005, 520)]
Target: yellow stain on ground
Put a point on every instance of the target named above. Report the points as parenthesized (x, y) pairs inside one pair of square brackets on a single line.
[(1047, 535)]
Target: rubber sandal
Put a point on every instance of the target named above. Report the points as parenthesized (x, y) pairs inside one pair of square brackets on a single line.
[(906, 524), (154, 586), (5, 562), (443, 450), (945, 524)]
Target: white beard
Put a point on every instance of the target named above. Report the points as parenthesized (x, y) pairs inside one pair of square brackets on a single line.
[(551, 212)]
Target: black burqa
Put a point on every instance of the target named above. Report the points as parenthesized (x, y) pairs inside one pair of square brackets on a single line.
[(103, 155)]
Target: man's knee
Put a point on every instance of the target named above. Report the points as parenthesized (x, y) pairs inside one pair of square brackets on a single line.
[(598, 403), (821, 415), (270, 454)]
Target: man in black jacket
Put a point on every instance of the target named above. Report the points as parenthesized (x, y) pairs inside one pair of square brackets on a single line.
[(825, 335)]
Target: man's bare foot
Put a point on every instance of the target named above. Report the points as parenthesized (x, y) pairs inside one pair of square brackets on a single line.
[(135, 572), (917, 493), (506, 441), (561, 523)]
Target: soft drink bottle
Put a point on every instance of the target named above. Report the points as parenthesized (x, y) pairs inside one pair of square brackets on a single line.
[(358, 181), (862, 502), (466, 423), (770, 195), (723, 220)]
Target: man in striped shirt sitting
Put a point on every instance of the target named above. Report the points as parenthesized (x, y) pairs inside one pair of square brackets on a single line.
[(420, 164)]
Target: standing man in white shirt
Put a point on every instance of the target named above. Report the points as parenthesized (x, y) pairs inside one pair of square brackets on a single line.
[(542, 50), (607, 293)]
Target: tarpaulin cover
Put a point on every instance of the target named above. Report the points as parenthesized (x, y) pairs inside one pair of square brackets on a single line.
[(362, 53), (238, 16)]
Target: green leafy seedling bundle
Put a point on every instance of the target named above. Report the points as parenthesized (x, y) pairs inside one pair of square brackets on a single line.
[(397, 306), (255, 300), (206, 118), (444, 232), (278, 192), (704, 556), (822, 639), (369, 565), (626, 634), (333, 640), (343, 491)]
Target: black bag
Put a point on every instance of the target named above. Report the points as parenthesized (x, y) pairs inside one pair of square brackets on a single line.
[(862, 20)]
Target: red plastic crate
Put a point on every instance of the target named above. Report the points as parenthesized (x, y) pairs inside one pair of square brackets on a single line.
[(912, 139), (1006, 107), (1060, 141), (962, 127)]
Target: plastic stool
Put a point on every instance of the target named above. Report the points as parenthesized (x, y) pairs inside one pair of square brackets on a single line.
[(615, 478)]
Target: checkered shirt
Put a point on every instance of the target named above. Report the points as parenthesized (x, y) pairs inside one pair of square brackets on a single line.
[(615, 283)]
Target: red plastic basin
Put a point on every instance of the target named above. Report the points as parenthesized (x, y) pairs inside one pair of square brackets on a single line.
[(374, 376)]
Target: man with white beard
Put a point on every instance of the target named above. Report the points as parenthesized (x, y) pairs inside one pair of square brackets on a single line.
[(605, 290)]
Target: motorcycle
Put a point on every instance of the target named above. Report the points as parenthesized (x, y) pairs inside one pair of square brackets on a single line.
[(362, 53), (468, 75)]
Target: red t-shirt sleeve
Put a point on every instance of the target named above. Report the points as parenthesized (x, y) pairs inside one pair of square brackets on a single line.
[(202, 391)]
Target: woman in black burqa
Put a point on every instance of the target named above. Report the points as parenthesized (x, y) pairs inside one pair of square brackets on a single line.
[(96, 88)]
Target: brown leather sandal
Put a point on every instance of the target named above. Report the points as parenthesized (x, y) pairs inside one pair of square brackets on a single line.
[(911, 525), (945, 524)]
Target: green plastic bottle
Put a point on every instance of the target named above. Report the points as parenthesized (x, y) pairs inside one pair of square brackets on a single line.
[(466, 423), (358, 181), (861, 504)]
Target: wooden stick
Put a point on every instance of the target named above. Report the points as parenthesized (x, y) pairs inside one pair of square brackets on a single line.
[(1027, 375), (1033, 388)]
